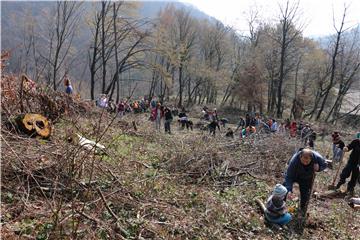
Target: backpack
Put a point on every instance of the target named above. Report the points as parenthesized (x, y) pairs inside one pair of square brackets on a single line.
[(153, 103)]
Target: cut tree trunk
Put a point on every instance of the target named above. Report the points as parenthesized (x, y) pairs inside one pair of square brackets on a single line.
[(34, 125)]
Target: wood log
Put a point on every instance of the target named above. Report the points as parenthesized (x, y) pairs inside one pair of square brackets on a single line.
[(261, 205), (34, 125), (330, 194)]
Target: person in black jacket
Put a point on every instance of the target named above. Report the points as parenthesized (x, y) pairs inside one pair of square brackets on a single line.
[(247, 120), (168, 118), (351, 167), (212, 127)]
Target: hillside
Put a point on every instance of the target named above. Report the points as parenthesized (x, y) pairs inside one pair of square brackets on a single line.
[(147, 184)]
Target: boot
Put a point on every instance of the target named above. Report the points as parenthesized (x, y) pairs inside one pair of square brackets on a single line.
[(341, 182), (350, 193)]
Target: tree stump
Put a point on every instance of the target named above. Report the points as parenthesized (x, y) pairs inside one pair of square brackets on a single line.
[(34, 125)]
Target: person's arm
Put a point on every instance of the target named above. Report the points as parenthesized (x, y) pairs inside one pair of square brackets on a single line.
[(341, 145), (350, 146), (290, 173), (320, 163)]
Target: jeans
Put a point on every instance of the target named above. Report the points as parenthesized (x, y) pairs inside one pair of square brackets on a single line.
[(337, 152), (282, 220), (157, 123)]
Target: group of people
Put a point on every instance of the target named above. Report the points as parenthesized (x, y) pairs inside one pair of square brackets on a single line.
[(252, 123), (301, 169), (213, 119), (160, 112), (124, 106)]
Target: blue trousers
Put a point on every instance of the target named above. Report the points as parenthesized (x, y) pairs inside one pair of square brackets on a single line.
[(337, 152)]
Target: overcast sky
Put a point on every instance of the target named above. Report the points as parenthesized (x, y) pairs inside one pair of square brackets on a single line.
[(317, 14)]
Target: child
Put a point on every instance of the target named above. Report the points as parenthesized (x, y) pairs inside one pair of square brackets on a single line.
[(276, 210)]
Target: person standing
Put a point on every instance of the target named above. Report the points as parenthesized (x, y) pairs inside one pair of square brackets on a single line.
[(351, 167), (158, 116), (338, 146), (121, 109), (68, 88), (212, 127), (153, 103), (247, 120), (168, 119), (241, 124), (274, 126), (293, 129)]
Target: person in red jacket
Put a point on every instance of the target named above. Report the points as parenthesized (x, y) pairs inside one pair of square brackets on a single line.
[(293, 129)]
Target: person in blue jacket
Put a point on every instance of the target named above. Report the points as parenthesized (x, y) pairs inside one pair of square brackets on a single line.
[(301, 170), (68, 88)]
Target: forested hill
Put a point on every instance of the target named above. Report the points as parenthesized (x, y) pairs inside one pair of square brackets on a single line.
[(182, 55), (15, 12), (23, 19)]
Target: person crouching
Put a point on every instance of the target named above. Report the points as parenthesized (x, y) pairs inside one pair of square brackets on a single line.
[(276, 210)]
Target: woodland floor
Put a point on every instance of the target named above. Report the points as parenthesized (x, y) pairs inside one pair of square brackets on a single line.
[(151, 185)]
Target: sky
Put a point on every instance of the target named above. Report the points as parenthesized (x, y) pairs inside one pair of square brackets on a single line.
[(316, 15)]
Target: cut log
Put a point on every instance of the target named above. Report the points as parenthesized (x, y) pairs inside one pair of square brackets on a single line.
[(330, 194), (34, 125), (261, 205)]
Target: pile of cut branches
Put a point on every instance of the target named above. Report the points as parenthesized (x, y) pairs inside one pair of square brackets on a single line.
[(22, 95)]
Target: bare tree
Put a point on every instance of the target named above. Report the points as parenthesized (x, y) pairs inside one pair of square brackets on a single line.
[(289, 33), (335, 52), (61, 35), (95, 56), (348, 71)]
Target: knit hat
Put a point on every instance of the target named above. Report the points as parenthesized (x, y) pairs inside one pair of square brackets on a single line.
[(279, 190)]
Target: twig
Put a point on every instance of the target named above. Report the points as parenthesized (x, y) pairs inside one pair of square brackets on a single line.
[(106, 205), (141, 163)]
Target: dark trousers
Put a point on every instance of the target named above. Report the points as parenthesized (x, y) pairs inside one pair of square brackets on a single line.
[(305, 191), (167, 126), (187, 124), (350, 169)]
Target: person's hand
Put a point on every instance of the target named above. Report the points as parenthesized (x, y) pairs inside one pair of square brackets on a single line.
[(290, 196), (316, 167)]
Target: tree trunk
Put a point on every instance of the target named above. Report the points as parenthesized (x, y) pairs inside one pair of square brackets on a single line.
[(180, 86)]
